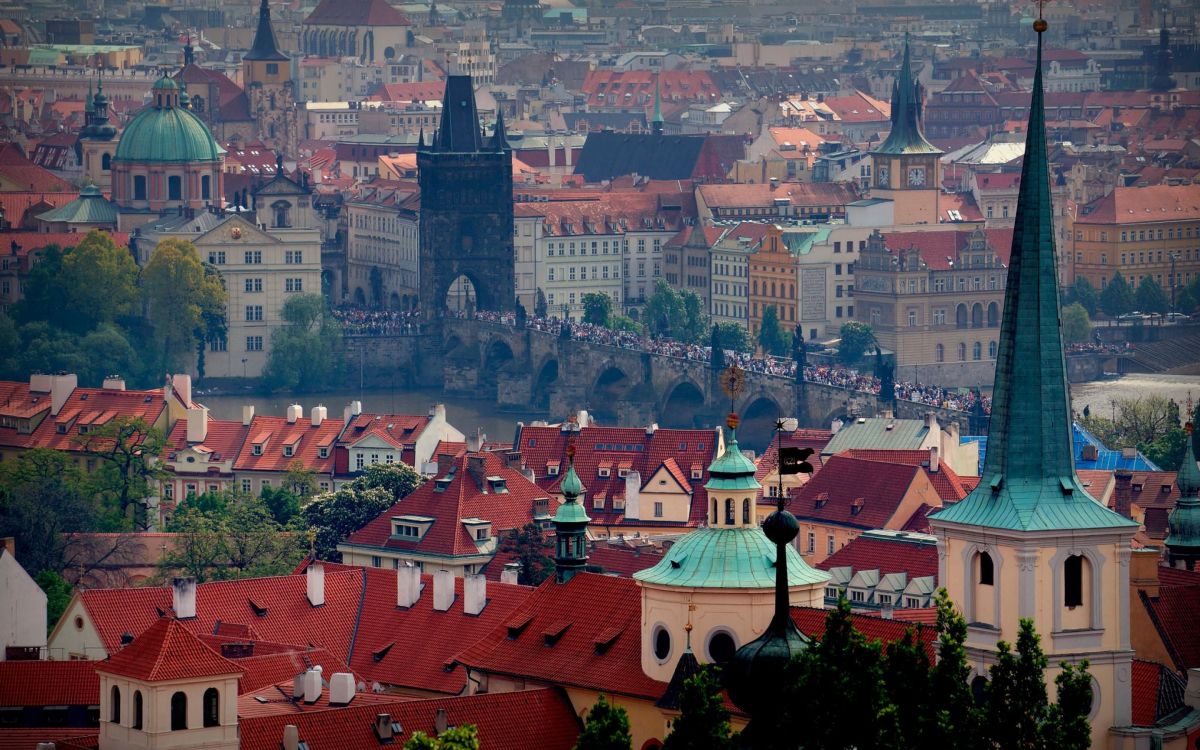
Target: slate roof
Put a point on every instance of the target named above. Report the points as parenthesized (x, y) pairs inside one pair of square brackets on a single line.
[(844, 484), (49, 683), (167, 651), (608, 154)]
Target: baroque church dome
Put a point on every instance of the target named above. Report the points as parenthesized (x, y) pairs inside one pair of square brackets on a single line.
[(166, 132)]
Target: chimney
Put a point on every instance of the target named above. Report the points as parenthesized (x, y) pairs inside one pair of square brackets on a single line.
[(182, 385), (1143, 570), (933, 459), (316, 584), (9, 544), (114, 383), (445, 462), (633, 495), (197, 424), (651, 428), (294, 412), (408, 585), (510, 575), (474, 593), (383, 727), (582, 419), (441, 723), (183, 597), (312, 685), (291, 737), (443, 590), (45, 746), (341, 689), (477, 468), (247, 415), (475, 440), (298, 687), (930, 421), (58, 386), (774, 183), (319, 415), (437, 413), (1123, 494), (1191, 695), (886, 611)]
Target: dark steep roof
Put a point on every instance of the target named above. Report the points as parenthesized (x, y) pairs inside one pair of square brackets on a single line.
[(607, 155), (265, 47)]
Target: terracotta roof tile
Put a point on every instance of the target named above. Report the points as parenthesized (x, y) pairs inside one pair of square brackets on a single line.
[(1138, 205), (938, 248), (811, 622), (356, 13), (275, 432), (917, 558), (1173, 613), (167, 651), (945, 480), (846, 483), (49, 683)]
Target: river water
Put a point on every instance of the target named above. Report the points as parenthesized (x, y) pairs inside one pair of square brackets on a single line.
[(470, 414)]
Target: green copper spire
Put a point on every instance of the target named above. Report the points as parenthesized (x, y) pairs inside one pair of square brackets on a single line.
[(906, 135), (89, 104), (1183, 525), (570, 526), (1028, 482), (656, 124)]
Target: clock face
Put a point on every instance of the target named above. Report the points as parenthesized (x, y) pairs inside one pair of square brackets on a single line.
[(881, 175), (916, 176)]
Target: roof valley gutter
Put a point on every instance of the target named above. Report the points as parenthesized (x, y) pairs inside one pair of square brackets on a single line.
[(362, 599)]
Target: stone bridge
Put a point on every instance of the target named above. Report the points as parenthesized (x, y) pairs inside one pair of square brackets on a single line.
[(536, 372)]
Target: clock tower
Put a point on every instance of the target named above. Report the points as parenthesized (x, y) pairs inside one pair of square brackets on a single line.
[(906, 166)]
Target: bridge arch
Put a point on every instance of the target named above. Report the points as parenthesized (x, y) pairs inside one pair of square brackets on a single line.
[(608, 389), (497, 355), (758, 420), (544, 381), (683, 403)]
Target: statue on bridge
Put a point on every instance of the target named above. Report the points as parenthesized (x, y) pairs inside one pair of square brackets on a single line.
[(716, 352), (520, 316), (799, 353), (977, 419), (886, 372)]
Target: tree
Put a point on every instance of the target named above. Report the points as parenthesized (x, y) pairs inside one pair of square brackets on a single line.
[(101, 280), (197, 550), (855, 338), (299, 479), (181, 300), (1016, 700), (124, 479), (625, 323), (1084, 293), (735, 336), (695, 320), (465, 737), (10, 349), (233, 537), (41, 500), (281, 502), (1151, 298), (606, 728), (530, 549), (958, 716), (1076, 327), (1186, 301), (336, 515), (398, 479), (1117, 297), (770, 336), (597, 308), (44, 291), (540, 309), (1166, 451), (304, 353), (675, 315), (107, 350), (703, 722), (58, 595), (1069, 728)]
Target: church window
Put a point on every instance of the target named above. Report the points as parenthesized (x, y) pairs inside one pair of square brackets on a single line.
[(1073, 581), (139, 188), (746, 510), (985, 569), (106, 162), (179, 711), (721, 647), (729, 512), (282, 211), (137, 709), (174, 188), (212, 707), (115, 705), (662, 643), (205, 187)]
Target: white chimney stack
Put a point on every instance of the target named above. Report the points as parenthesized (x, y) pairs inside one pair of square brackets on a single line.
[(582, 419), (930, 422), (474, 593), (352, 410), (298, 687), (633, 495), (443, 590), (316, 584), (59, 387), (651, 428), (408, 585), (113, 383), (933, 459), (319, 415), (197, 424), (294, 413), (183, 597), (291, 737), (247, 415), (182, 384), (312, 685), (341, 689), (510, 576)]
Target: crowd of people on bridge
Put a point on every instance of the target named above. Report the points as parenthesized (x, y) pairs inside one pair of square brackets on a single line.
[(382, 322)]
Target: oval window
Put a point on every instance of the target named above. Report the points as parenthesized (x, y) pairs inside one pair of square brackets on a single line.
[(662, 643), (721, 647)]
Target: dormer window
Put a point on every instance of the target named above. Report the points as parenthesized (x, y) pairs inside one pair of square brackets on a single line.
[(411, 528), (552, 469), (287, 450), (256, 449), (497, 484), (697, 471), (323, 451), (441, 484), (598, 503)]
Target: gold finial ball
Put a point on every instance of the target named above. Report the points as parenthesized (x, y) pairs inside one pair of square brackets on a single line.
[(732, 420), (1040, 25)]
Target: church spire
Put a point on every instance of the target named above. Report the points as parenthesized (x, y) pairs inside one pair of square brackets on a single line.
[(499, 136), (1164, 61), (570, 525), (1028, 481), (265, 47), (906, 135), (656, 124), (1183, 525)]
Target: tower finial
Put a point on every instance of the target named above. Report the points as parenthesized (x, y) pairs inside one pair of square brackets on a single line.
[(656, 124)]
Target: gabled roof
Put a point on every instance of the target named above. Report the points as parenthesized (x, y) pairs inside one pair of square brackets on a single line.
[(89, 408), (759, 195), (356, 13), (273, 433), (1156, 692), (1173, 613), (875, 433), (265, 47), (913, 554), (1139, 205), (91, 207), (854, 492), (25, 175), (607, 155), (944, 479), (223, 441), (167, 651)]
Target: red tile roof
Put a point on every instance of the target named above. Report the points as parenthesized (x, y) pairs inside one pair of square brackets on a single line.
[(815, 439), (273, 433), (1156, 690), (624, 559), (464, 497), (276, 699), (542, 446), (422, 91), (947, 483), (64, 737), (917, 558), (938, 248), (1138, 205), (25, 175), (846, 483), (167, 651), (262, 670), (398, 430), (49, 683), (760, 195), (811, 622), (224, 438), (588, 605), (608, 89), (505, 721), (356, 13), (1173, 613), (88, 407), (20, 210), (859, 107)]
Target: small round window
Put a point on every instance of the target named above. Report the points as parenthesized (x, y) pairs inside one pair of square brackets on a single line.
[(662, 643), (721, 647)]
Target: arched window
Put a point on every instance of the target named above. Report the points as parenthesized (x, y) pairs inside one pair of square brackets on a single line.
[(940, 353), (960, 316), (205, 187), (977, 351), (729, 511), (137, 709), (1073, 581), (174, 188), (977, 315), (139, 187), (985, 569), (114, 708), (993, 315), (991, 350), (178, 711), (106, 162), (962, 352), (212, 707), (282, 211), (746, 511), (714, 513)]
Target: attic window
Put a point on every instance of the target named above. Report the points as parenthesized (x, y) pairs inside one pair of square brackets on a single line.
[(1137, 487), (287, 450), (517, 626), (381, 653), (442, 483), (1166, 488), (605, 639), (555, 632), (857, 506), (552, 469), (256, 449), (498, 484), (323, 451), (822, 499), (604, 471), (258, 611)]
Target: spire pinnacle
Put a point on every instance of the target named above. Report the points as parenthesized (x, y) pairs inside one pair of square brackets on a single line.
[(656, 124), (907, 135), (265, 47), (499, 137)]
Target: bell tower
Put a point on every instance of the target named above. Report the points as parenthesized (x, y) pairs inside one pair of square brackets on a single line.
[(267, 79), (570, 526)]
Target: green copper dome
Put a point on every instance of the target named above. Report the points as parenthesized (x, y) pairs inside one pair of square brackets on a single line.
[(1183, 525), (732, 470), (727, 559), (167, 133), (571, 511)]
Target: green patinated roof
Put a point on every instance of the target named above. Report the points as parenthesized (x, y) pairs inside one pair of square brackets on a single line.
[(571, 511), (727, 559), (1183, 525), (1028, 482), (165, 84), (167, 134), (906, 135), (91, 207), (873, 432), (732, 470)]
